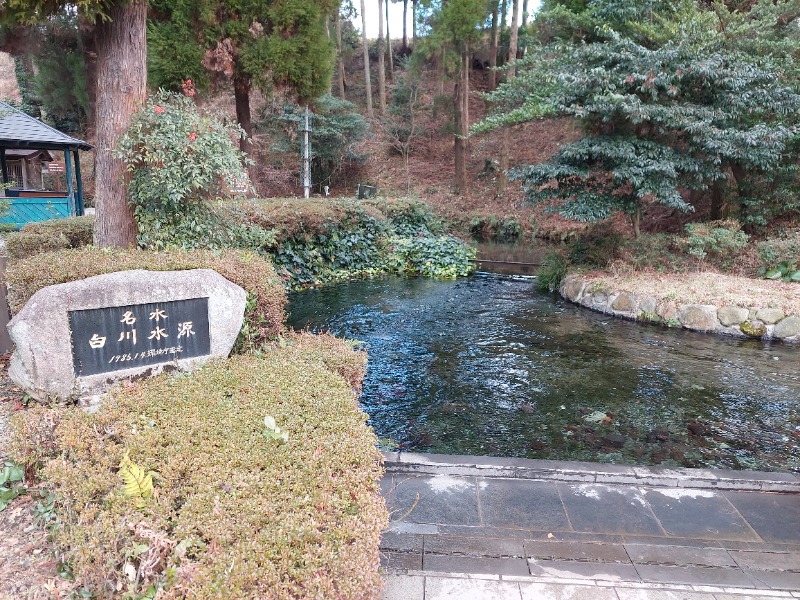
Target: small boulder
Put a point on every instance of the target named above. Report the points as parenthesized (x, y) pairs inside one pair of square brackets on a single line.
[(572, 289), (667, 311), (787, 328), (625, 303), (732, 315), (699, 317), (770, 316), (648, 304)]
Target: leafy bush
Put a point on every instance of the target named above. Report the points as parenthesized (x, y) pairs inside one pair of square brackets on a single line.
[(495, 229), (443, 256), (325, 241), (784, 271), (232, 514), (46, 236), (553, 269), (179, 158), (716, 240), (597, 246), (408, 217), (777, 250), (267, 296)]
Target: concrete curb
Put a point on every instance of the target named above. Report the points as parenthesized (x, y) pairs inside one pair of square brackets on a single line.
[(583, 472)]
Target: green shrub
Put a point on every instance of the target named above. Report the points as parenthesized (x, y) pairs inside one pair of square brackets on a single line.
[(553, 269), (598, 246), (180, 158), (408, 217), (316, 242), (443, 256), (266, 308), (716, 240), (46, 236), (233, 513), (778, 250), (495, 229)]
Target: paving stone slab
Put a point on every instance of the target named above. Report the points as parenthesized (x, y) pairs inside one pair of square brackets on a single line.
[(775, 517), (675, 541), (712, 576), (580, 551), (608, 509), (401, 542), (551, 591), (748, 597), (522, 504), (647, 594), (471, 564), (401, 561), (679, 555), (403, 587), (766, 561), (434, 499), (445, 588), (582, 570), (474, 546), (779, 580), (698, 514)]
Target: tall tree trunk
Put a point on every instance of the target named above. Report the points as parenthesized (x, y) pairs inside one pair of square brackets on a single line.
[(502, 176), (466, 67), (524, 13), (241, 94), (493, 40), (414, 22), (459, 145), (503, 15), (389, 50), (381, 62), (88, 47), (339, 58), (405, 27), (365, 46), (121, 44)]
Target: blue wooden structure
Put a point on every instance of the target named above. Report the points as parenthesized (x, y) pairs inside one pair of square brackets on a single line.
[(21, 131)]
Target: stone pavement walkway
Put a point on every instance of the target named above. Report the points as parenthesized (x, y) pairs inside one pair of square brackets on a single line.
[(474, 527)]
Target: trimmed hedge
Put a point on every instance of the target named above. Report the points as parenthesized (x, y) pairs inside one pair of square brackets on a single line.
[(233, 514), (46, 236), (265, 313)]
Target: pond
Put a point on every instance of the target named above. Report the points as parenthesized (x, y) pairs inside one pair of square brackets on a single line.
[(488, 365)]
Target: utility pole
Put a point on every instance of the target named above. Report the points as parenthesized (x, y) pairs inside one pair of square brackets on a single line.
[(307, 155)]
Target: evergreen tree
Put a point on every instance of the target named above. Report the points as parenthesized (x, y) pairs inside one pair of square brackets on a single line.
[(454, 26), (252, 43), (667, 104)]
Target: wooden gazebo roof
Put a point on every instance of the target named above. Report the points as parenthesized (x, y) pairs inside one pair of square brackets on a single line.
[(19, 130)]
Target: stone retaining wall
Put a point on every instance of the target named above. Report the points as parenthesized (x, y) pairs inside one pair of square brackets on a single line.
[(754, 322)]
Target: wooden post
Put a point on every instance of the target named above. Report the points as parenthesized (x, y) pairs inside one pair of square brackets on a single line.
[(70, 185), (79, 183), (3, 165)]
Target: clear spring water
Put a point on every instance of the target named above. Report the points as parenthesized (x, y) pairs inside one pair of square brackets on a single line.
[(489, 366)]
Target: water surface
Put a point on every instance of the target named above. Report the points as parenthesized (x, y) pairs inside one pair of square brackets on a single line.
[(489, 366)]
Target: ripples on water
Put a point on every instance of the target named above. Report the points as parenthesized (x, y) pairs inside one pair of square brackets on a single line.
[(487, 365)]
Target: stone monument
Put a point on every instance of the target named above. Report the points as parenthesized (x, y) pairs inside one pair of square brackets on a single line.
[(74, 340)]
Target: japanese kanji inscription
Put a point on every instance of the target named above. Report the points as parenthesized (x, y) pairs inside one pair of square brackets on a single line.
[(121, 337)]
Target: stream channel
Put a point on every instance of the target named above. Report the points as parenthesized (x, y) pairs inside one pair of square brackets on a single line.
[(488, 365)]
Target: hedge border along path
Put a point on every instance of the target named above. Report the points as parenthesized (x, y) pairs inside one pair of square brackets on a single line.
[(234, 514)]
